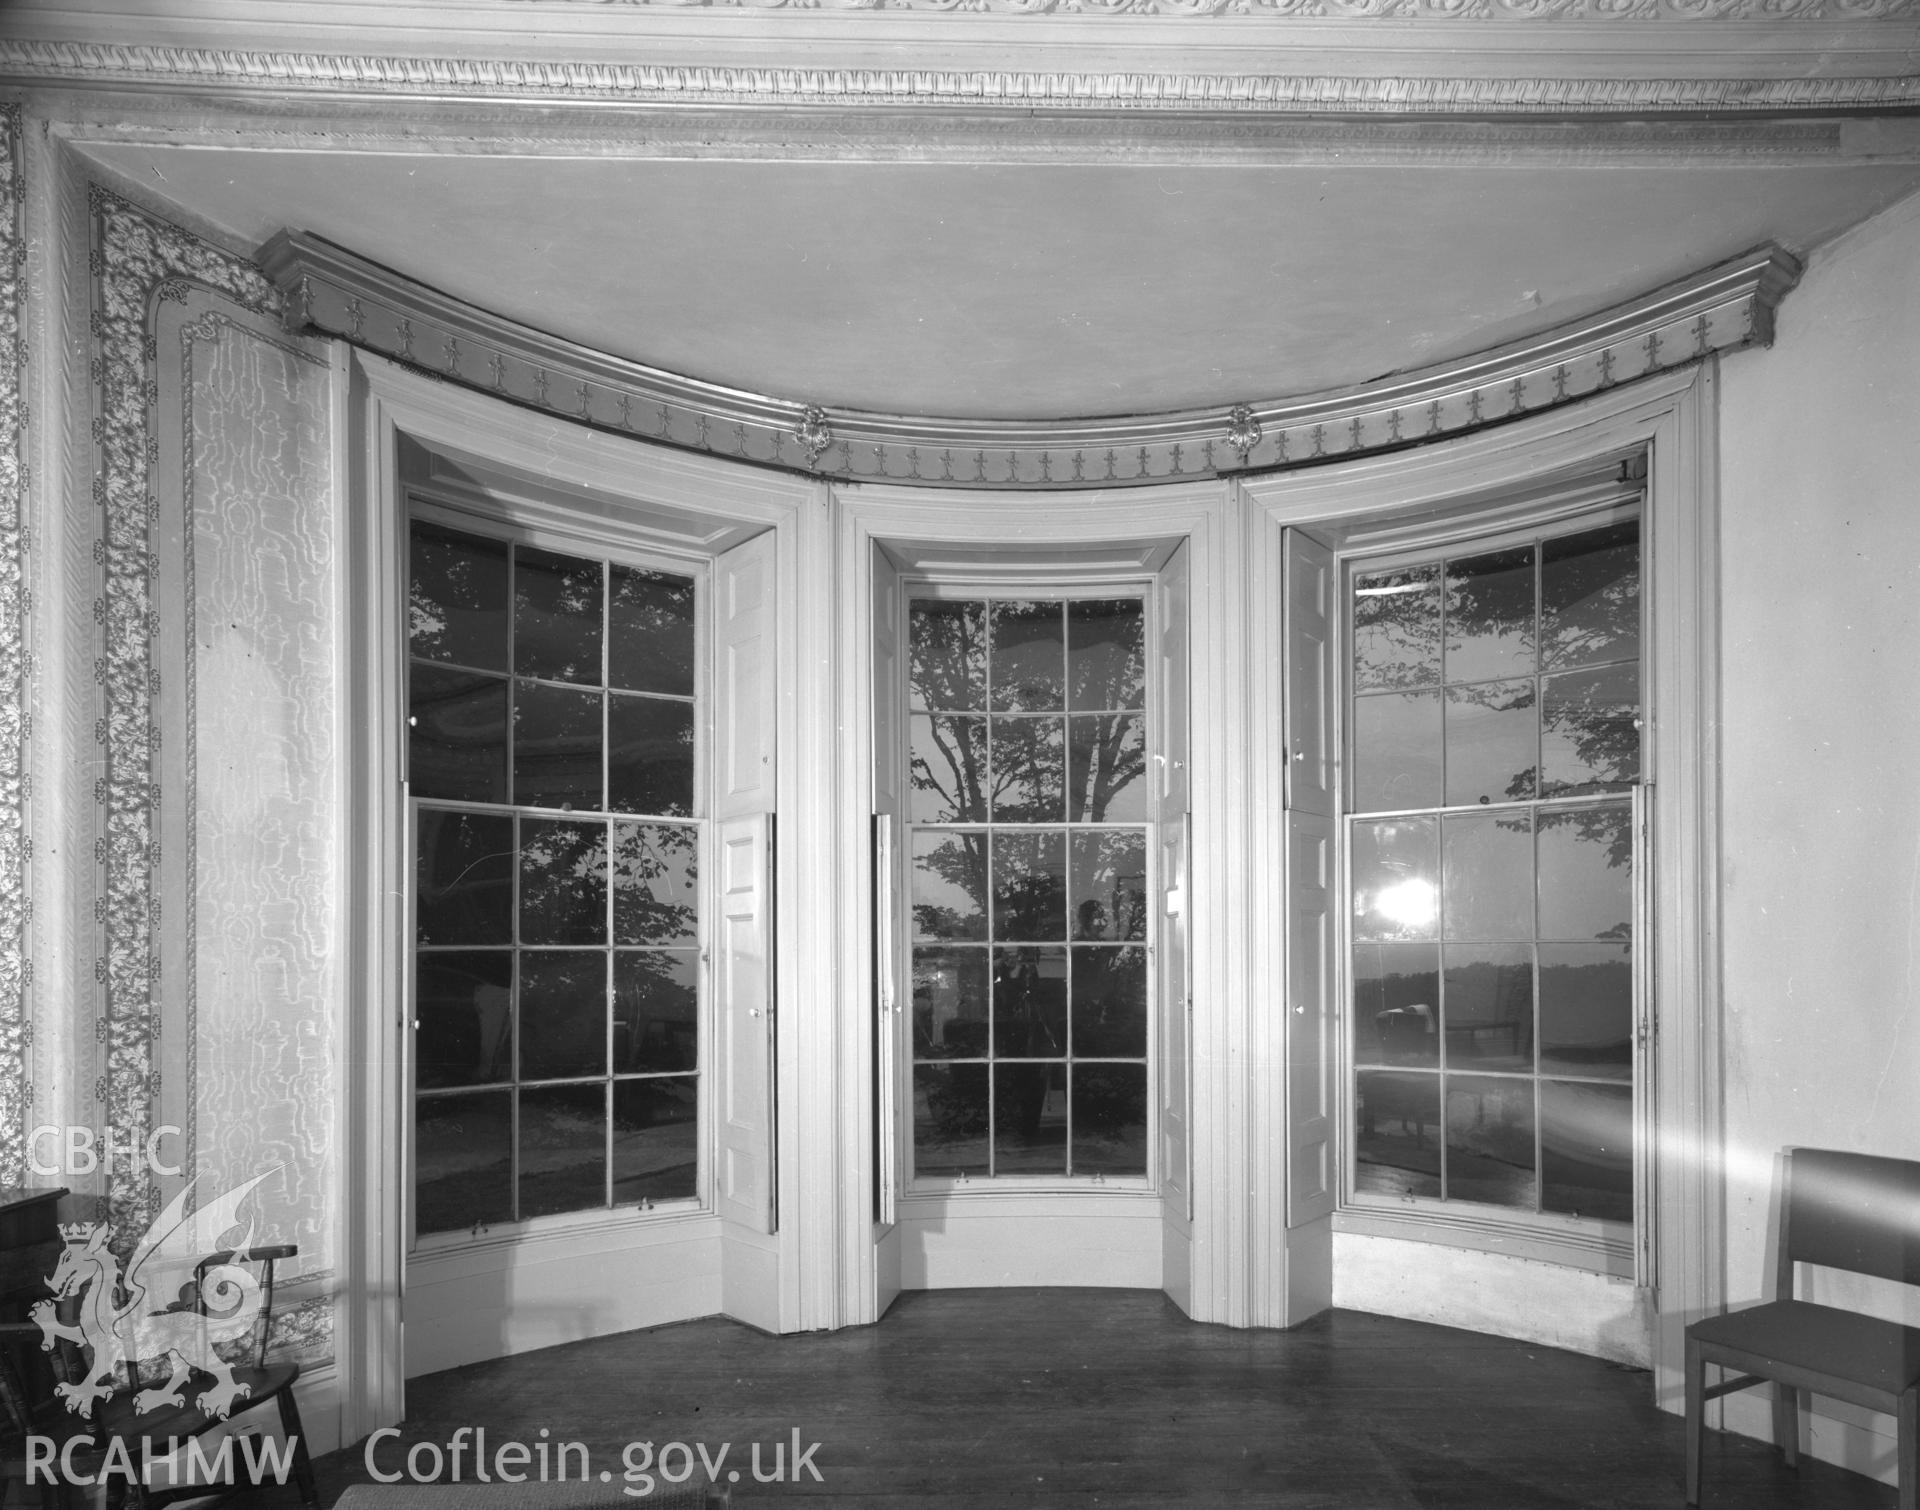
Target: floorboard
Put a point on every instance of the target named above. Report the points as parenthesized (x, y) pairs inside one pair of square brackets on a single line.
[(1077, 1399)]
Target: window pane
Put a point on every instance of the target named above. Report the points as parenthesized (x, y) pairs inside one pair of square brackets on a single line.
[(1029, 666), (462, 1161), (563, 1013), (1590, 596), (1489, 877), (656, 1150), (457, 597), (1396, 751), (1396, 1004), (463, 1003), (1030, 1119), (1489, 1006), (556, 746), (649, 756), (1586, 1009), (947, 769), (1029, 886), (1397, 1147), (1106, 655), (650, 632), (1029, 770), (457, 745), (1586, 873), (949, 886), (950, 1119), (557, 610), (1491, 743), (656, 1011), (465, 893), (1490, 1141), (563, 881), (1490, 615), (1106, 768), (1396, 629), (656, 896), (1396, 879), (950, 1003), (1110, 1119), (1590, 731), (1109, 1001), (947, 656), (1586, 1150), (1108, 885), (563, 1149), (1029, 1003)]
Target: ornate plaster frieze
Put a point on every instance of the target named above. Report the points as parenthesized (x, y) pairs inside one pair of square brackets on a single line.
[(16, 1026), (285, 76), (333, 291), (137, 261)]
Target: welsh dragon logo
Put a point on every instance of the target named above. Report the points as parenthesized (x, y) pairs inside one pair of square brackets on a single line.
[(118, 1326)]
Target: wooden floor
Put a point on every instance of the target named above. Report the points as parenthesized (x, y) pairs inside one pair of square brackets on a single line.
[(1063, 1399)]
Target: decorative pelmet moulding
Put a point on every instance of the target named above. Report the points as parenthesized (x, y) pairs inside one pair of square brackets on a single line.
[(286, 75), (16, 1021), (333, 291), (137, 261)]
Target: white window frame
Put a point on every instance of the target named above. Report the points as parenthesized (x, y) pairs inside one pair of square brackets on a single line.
[(925, 586), (1672, 418), (671, 505), (1481, 525), (549, 526)]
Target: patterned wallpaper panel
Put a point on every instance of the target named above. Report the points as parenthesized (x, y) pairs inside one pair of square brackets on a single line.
[(216, 622)]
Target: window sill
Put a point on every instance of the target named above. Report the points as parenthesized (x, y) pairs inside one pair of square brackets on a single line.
[(1052, 1198), (614, 1227), (1598, 1247)]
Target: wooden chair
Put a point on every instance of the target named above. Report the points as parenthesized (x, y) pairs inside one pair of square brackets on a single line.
[(263, 1382), (1842, 1211), (29, 1394)]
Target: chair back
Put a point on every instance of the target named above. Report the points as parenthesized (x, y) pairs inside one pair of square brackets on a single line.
[(1851, 1211)]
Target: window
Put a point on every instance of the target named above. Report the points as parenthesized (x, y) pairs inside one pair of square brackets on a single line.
[(1028, 802), (553, 703), (1494, 753)]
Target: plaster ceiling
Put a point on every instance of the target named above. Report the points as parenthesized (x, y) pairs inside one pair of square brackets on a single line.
[(1032, 290)]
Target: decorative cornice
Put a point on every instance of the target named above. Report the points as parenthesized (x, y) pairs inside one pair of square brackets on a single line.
[(286, 74), (138, 261), (16, 1026), (334, 291)]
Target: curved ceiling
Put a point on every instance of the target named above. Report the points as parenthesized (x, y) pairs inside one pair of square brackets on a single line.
[(1030, 291)]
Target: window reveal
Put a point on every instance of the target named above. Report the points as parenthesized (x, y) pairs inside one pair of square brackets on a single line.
[(1495, 741), (557, 981), (1027, 812)]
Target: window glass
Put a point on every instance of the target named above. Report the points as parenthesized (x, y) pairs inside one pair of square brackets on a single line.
[(1028, 798), (1493, 731), (552, 702)]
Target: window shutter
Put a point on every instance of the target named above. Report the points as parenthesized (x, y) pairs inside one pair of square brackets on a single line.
[(1175, 866), (744, 662), (1311, 776)]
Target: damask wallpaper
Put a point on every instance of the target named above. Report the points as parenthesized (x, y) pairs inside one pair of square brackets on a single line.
[(215, 619)]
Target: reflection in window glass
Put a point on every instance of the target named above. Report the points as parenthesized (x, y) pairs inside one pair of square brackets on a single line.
[(1494, 711), (552, 758), (1028, 799)]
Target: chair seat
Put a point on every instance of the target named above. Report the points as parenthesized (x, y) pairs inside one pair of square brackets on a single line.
[(1881, 1355), (187, 1419)]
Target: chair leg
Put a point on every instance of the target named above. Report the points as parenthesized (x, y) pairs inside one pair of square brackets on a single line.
[(1910, 1449), (1696, 1406), (1786, 1422), (297, 1438)]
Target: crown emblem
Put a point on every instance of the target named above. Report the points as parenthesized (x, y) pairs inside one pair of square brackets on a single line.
[(77, 1232)]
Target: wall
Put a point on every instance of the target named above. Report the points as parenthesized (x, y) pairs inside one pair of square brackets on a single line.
[(1821, 844)]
